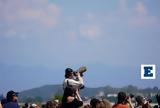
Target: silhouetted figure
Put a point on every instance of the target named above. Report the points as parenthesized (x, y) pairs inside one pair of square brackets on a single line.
[(158, 101), (104, 104), (140, 101), (87, 106), (94, 102), (26, 105), (50, 104), (12, 98), (3, 101), (71, 98), (122, 97)]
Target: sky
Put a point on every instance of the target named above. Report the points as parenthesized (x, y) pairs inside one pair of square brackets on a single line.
[(112, 38)]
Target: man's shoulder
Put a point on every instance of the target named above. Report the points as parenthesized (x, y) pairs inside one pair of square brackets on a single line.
[(68, 80), (11, 105), (120, 106)]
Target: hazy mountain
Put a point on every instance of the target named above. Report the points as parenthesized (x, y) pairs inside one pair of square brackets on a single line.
[(44, 92), (48, 91)]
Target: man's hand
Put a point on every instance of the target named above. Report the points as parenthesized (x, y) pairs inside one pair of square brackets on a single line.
[(77, 74), (70, 99)]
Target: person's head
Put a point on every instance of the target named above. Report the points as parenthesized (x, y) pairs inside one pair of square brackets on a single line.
[(94, 102), (140, 100), (68, 73), (56, 102), (12, 96), (87, 106), (158, 98), (122, 97), (34, 105), (49, 104), (104, 104), (26, 105), (147, 105)]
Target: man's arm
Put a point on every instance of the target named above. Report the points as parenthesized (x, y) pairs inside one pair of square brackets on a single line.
[(78, 82)]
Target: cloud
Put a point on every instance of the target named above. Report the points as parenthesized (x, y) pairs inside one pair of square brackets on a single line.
[(28, 14), (144, 21), (44, 14), (47, 16), (90, 32), (141, 9), (142, 18), (132, 15), (125, 16)]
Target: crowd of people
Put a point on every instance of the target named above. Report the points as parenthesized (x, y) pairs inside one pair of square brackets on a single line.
[(72, 85), (123, 101)]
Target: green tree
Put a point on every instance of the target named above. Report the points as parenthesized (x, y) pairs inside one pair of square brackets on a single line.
[(38, 99), (58, 97)]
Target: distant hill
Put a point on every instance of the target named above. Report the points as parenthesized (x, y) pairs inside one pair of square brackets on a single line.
[(47, 92)]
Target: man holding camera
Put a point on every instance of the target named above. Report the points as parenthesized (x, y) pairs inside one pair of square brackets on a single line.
[(72, 83), (73, 79)]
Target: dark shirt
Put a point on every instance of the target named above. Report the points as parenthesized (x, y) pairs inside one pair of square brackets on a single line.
[(156, 106), (74, 104), (11, 105)]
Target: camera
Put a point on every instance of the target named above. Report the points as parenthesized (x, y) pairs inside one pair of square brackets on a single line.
[(130, 96), (81, 70), (148, 100)]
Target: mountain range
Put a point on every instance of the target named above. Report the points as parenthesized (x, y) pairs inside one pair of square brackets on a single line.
[(47, 92), (25, 78)]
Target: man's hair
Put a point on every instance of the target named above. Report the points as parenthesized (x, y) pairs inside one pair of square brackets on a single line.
[(68, 72), (139, 100), (94, 102), (121, 97), (49, 104), (10, 95), (104, 104)]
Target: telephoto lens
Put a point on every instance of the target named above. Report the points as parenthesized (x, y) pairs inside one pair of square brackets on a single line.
[(82, 69)]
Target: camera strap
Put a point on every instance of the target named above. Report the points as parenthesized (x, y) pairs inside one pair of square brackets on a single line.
[(68, 84)]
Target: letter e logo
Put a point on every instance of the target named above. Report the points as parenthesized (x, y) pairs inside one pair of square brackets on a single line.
[(148, 71)]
